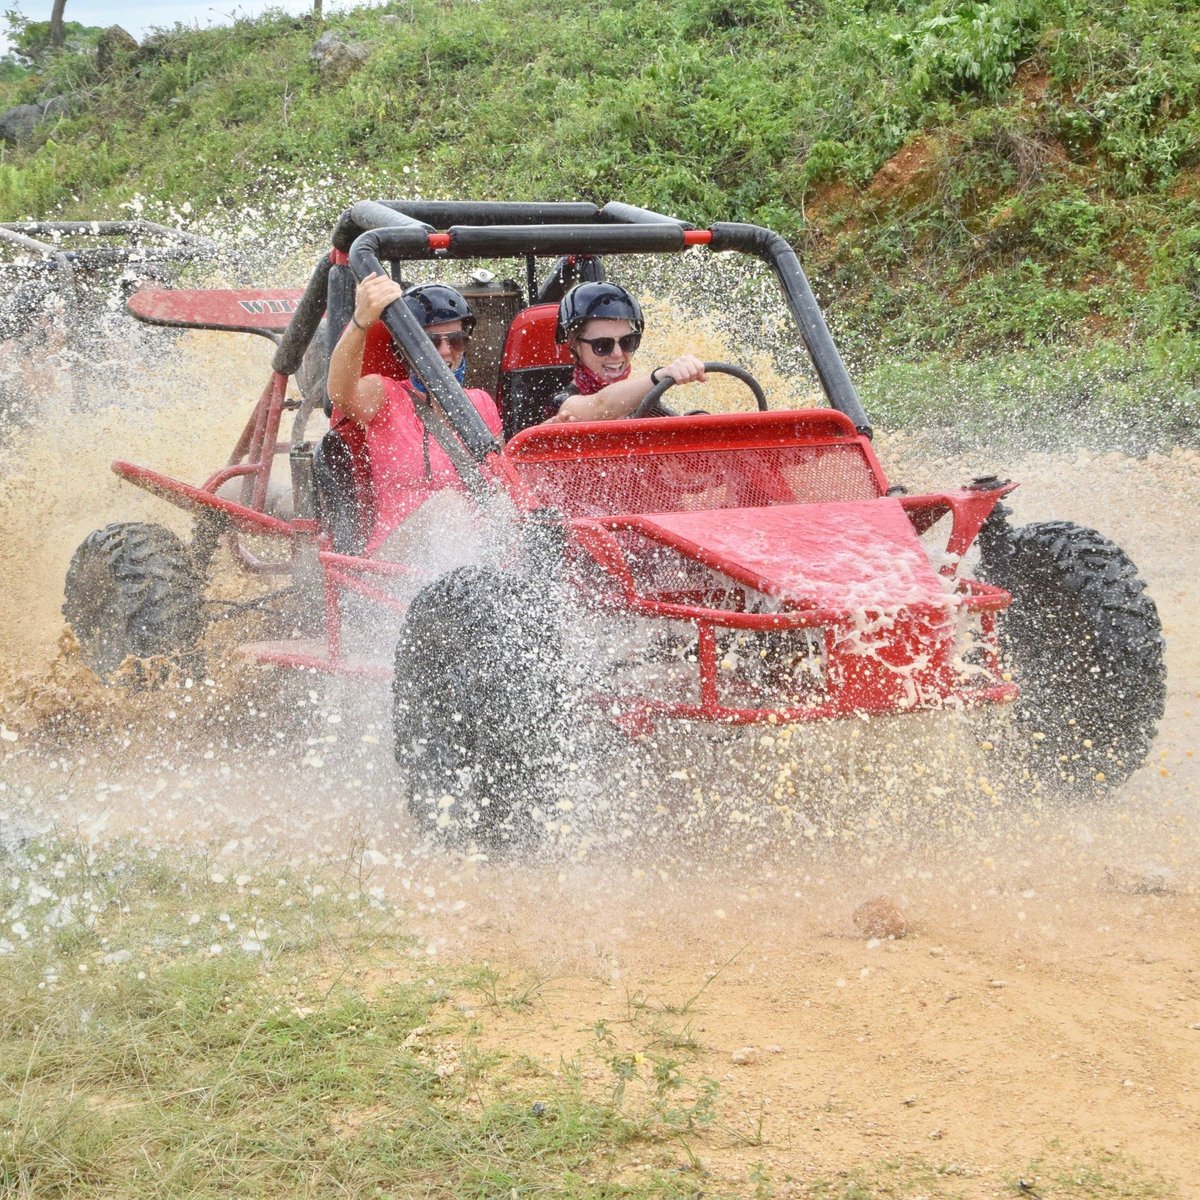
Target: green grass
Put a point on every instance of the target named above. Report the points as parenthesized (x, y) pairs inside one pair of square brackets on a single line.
[(730, 108), (1138, 398), (716, 108), (171, 1026), (165, 1032)]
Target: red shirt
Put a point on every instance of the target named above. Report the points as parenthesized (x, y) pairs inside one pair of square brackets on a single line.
[(407, 464)]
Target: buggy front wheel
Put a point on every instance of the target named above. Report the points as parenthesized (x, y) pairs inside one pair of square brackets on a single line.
[(1084, 643), (480, 707)]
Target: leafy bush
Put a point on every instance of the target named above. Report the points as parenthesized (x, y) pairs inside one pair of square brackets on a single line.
[(1139, 398), (30, 40), (973, 45), (1176, 272)]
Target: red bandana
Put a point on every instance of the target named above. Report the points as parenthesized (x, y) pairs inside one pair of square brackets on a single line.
[(588, 383)]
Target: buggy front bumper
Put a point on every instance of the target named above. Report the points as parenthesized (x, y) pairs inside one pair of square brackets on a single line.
[(746, 668)]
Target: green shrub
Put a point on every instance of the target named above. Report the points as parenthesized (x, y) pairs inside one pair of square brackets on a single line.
[(1176, 274), (1136, 397), (965, 46)]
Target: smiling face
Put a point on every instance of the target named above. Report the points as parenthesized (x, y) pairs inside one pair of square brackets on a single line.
[(451, 355), (612, 366)]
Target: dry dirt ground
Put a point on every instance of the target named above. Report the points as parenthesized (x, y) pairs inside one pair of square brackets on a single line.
[(1039, 1019)]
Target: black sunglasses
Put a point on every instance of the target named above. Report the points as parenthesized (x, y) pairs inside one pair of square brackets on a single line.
[(456, 341), (602, 347)]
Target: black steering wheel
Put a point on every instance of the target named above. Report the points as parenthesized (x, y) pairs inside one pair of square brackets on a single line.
[(717, 368)]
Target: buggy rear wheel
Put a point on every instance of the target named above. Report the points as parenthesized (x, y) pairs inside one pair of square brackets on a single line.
[(1084, 643), (132, 592), (479, 706)]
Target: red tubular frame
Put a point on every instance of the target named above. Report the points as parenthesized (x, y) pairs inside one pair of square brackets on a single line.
[(909, 668), (865, 684), (864, 689), (257, 446)]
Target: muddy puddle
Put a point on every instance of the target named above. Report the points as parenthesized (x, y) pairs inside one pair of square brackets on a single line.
[(245, 754)]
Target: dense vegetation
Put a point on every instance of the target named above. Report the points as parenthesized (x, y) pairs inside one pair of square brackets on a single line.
[(1015, 178)]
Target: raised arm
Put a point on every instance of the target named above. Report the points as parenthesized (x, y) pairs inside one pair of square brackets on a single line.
[(360, 397)]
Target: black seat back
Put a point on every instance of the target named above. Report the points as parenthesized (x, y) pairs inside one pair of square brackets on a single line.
[(345, 497)]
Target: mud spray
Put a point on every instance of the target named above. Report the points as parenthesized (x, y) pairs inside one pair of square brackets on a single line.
[(693, 855)]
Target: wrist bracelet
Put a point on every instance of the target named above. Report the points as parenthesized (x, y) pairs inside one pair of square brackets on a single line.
[(354, 322)]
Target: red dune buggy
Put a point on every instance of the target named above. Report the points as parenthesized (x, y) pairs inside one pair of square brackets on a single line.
[(758, 565)]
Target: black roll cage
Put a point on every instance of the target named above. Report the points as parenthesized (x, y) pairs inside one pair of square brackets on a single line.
[(374, 231)]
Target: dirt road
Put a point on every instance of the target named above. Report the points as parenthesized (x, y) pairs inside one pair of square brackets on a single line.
[(1039, 1019)]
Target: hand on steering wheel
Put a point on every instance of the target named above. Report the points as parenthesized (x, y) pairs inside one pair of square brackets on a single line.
[(665, 382)]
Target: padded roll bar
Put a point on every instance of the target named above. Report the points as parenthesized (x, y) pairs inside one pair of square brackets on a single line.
[(304, 322), (371, 214), (442, 214), (551, 241), (630, 214)]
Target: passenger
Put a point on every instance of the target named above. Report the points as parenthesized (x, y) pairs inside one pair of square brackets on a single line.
[(602, 325), (407, 466)]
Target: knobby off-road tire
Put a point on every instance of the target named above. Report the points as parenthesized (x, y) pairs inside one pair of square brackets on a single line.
[(132, 591), (1084, 643), (480, 707)]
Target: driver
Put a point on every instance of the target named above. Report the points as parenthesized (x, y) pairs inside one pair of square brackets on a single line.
[(406, 466), (602, 325)]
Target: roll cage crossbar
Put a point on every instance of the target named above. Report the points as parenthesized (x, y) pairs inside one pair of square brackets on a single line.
[(372, 232), (65, 248)]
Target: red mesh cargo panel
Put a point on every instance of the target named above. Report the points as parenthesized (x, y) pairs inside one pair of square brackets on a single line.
[(697, 480)]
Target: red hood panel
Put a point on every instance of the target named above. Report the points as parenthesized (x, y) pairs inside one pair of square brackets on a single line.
[(851, 554)]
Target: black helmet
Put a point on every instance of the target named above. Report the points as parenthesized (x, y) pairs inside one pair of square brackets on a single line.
[(436, 304), (592, 302)]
